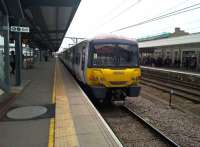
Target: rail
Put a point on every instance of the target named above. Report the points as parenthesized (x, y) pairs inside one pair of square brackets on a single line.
[(150, 126)]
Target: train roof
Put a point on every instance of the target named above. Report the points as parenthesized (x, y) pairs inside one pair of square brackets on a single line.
[(108, 39), (112, 38)]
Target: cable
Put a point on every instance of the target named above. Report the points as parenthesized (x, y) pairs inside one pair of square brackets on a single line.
[(161, 17), (179, 4), (138, 1), (125, 10), (120, 13)]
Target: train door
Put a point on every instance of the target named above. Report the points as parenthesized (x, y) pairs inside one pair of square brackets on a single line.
[(70, 58), (77, 62), (73, 59), (82, 64), (80, 61)]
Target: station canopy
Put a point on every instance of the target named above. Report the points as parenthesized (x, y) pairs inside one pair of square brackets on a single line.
[(180, 40), (48, 20)]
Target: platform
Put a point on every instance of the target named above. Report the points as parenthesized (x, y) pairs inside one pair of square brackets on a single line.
[(69, 118), (31, 132), (77, 122)]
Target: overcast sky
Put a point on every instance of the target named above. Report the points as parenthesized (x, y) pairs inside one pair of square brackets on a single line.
[(95, 17)]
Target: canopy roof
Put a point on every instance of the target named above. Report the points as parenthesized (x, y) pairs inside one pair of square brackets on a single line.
[(48, 19), (181, 40)]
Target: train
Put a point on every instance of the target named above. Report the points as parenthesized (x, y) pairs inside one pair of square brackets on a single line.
[(108, 66)]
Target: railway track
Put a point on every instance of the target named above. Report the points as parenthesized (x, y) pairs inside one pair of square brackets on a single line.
[(166, 139), (133, 130), (189, 84), (179, 89)]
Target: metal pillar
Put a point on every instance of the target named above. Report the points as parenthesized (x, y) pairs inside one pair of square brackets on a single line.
[(33, 49), (181, 58), (172, 56), (18, 56), (6, 55), (21, 53), (40, 55)]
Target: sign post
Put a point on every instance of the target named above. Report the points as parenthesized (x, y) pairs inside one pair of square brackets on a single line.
[(19, 29), (18, 50)]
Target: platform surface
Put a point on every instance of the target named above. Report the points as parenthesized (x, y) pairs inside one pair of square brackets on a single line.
[(77, 122), (31, 132)]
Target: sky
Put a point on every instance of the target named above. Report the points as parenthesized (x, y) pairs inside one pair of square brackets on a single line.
[(96, 17)]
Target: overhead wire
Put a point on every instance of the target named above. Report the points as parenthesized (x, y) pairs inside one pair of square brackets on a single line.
[(131, 6), (110, 13), (176, 12), (120, 13), (171, 8), (125, 10)]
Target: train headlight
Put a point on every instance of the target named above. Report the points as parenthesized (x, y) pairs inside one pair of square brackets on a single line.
[(93, 78), (101, 80)]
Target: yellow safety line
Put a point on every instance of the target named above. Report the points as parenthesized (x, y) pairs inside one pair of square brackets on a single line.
[(52, 120), (65, 132), (54, 85), (51, 132)]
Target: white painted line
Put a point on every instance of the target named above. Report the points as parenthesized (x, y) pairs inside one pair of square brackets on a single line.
[(173, 71)]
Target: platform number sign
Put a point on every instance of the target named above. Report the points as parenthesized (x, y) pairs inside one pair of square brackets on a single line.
[(19, 29)]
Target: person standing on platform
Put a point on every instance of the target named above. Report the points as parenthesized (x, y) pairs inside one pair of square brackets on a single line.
[(12, 62)]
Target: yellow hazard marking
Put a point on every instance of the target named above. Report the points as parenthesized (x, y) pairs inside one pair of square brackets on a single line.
[(65, 134), (51, 132), (52, 120), (54, 84)]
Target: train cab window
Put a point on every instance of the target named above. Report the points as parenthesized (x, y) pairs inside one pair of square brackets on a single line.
[(115, 55)]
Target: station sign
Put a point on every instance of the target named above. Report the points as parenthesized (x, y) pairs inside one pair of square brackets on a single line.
[(19, 29)]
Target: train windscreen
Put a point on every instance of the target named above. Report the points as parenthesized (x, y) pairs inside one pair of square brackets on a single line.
[(114, 55)]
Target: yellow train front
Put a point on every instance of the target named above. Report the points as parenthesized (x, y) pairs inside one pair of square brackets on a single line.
[(107, 66)]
